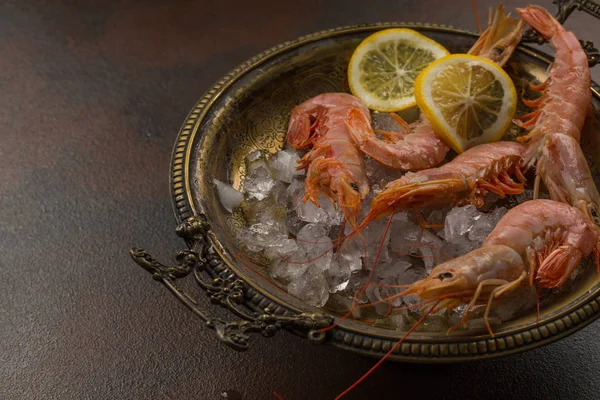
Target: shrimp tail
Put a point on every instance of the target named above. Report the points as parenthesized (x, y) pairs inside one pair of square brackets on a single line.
[(418, 148), (365, 139), (500, 39), (540, 20)]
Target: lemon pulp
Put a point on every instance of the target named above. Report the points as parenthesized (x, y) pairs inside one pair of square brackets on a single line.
[(468, 99), (384, 67)]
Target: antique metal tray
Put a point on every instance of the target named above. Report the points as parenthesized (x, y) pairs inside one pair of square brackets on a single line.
[(249, 109)]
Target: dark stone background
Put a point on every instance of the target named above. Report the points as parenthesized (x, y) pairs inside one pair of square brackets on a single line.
[(92, 96)]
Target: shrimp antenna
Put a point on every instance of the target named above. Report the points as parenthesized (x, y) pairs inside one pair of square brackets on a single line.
[(277, 396), (385, 357), (363, 288), (476, 16)]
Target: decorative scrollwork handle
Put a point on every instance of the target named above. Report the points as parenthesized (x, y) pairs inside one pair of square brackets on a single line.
[(565, 8), (224, 289)]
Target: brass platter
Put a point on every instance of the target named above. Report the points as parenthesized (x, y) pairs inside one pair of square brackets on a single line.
[(249, 109)]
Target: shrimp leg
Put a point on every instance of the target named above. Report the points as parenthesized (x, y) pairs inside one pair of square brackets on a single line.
[(497, 292), (487, 282), (559, 265)]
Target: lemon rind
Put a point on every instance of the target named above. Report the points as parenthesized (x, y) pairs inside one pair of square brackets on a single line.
[(423, 99), (373, 41)]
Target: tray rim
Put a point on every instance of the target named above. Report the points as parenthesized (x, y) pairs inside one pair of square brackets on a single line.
[(436, 350)]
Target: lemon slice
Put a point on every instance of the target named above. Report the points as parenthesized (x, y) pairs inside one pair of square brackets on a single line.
[(383, 68), (468, 99)]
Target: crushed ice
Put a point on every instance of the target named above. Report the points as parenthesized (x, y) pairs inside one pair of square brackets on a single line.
[(299, 239)]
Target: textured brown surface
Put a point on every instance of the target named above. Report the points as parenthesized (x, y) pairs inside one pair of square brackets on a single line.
[(93, 94)]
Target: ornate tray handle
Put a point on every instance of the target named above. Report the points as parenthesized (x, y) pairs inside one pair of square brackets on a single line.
[(565, 8), (225, 289)]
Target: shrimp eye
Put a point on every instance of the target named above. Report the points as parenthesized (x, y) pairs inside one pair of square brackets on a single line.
[(354, 186), (445, 275)]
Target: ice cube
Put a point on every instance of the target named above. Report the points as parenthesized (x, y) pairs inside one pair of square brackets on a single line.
[(325, 214), (409, 238), (453, 250), (376, 243), (254, 160), (309, 212), (258, 183), (293, 223), (350, 256), (430, 247), (466, 228), (255, 156), (311, 287), (289, 269), (334, 216), (268, 212), (357, 281), (266, 221), (485, 224), (400, 270), (378, 174), (378, 297), (313, 239), (437, 217), (338, 274), (459, 221), (411, 275), (228, 196), (455, 315), (365, 205), (278, 193), (405, 234), (461, 246), (295, 192), (411, 299), (392, 270), (260, 236), (283, 166), (281, 247)]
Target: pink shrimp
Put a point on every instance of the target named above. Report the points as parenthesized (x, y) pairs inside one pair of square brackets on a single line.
[(464, 180), (566, 95), (335, 166), (537, 242), (567, 176), (419, 147), (555, 126)]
